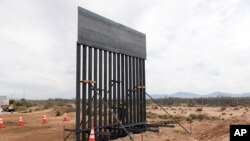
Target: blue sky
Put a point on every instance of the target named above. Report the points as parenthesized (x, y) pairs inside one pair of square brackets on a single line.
[(194, 46)]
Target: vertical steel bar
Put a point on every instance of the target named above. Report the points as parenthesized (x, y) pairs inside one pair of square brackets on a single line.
[(118, 85), (123, 91), (140, 90), (144, 90), (114, 91), (105, 73), (84, 90), (122, 84), (133, 88), (78, 97), (137, 91), (126, 88), (130, 90), (90, 89), (110, 89), (100, 87), (95, 85)]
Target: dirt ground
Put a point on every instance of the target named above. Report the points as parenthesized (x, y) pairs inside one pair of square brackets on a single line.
[(202, 130), (33, 130)]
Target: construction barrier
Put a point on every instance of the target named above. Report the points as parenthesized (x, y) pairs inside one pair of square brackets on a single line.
[(20, 121), (65, 117), (1, 123), (44, 120), (92, 135)]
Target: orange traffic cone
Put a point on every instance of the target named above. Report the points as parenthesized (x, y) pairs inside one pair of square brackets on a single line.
[(92, 135), (45, 120), (65, 117), (1, 123), (20, 121)]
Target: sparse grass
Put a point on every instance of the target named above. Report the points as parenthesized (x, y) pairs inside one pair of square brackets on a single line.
[(59, 110), (179, 130), (37, 109), (151, 115), (191, 104), (177, 117), (202, 117)]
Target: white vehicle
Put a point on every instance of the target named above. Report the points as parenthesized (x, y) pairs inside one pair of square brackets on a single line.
[(7, 108), (5, 104)]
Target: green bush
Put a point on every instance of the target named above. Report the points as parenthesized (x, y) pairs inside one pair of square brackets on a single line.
[(12, 101), (49, 105), (23, 103), (191, 104)]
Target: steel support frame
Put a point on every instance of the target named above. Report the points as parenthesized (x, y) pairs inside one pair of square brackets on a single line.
[(118, 78)]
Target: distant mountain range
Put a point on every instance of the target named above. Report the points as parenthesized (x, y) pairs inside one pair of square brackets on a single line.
[(193, 95)]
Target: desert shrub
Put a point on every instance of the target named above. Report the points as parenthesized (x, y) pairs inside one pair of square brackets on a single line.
[(61, 104), (65, 109), (223, 114), (236, 108), (37, 109), (154, 107), (202, 117), (23, 105), (58, 113), (179, 130), (177, 117), (12, 101), (191, 104), (151, 115), (198, 109), (69, 109), (223, 108), (48, 105)]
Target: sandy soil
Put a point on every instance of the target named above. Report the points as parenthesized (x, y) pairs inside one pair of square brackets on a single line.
[(205, 130), (33, 130)]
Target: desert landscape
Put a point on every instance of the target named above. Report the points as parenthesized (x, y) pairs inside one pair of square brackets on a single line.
[(208, 123)]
